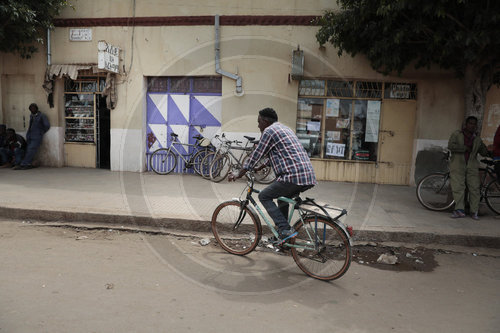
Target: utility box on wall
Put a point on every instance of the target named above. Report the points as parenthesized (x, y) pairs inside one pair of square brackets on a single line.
[(297, 64)]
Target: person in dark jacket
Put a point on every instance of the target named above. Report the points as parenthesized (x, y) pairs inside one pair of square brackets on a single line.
[(39, 125), (13, 150)]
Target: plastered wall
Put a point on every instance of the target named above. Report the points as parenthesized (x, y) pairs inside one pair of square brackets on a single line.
[(261, 55)]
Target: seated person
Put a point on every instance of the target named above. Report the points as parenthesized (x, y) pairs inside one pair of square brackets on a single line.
[(13, 150)]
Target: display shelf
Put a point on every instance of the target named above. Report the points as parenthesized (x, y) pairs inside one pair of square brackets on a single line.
[(80, 118)]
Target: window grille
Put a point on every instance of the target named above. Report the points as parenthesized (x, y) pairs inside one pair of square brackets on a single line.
[(340, 88)]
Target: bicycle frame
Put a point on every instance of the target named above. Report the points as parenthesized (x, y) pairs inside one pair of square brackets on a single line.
[(175, 142), (294, 205)]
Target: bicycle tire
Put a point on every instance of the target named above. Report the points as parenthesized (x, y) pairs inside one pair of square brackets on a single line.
[(332, 253), (205, 164), (434, 192), (219, 168), (242, 240), (263, 176), (163, 161), (492, 195), (197, 160)]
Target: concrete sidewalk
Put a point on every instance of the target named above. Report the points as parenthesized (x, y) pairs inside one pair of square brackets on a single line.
[(186, 202)]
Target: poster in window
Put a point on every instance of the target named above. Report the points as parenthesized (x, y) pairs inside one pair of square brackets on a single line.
[(314, 126), (333, 135), (372, 121), (343, 123), (332, 107), (335, 149)]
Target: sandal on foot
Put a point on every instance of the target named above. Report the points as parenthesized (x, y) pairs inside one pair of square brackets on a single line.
[(457, 214)]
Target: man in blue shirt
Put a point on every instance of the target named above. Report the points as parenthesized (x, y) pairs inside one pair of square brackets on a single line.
[(290, 163), (39, 124)]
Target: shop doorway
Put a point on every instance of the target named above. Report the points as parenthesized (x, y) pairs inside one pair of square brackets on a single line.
[(397, 133), (186, 106), (103, 160)]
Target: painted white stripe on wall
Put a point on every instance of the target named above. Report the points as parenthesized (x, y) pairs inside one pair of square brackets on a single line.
[(127, 150), (424, 144), (51, 152)]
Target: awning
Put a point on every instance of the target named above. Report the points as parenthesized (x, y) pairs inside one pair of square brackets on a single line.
[(71, 71)]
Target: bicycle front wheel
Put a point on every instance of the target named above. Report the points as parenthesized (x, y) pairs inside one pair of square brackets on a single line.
[(237, 230), (321, 249), (219, 168), (265, 175), (434, 192), (493, 196), (163, 161), (205, 164)]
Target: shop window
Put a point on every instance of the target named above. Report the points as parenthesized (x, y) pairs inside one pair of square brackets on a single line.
[(345, 123), (312, 88), (80, 108)]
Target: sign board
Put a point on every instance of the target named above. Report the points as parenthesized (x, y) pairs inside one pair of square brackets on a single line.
[(400, 91), (80, 35), (332, 107), (372, 121), (335, 149), (108, 57)]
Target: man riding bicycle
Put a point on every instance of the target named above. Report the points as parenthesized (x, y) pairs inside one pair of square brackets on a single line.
[(291, 164)]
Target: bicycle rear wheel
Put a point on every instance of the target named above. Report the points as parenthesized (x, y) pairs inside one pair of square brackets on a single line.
[(198, 159), (219, 168), (321, 249), (237, 230), (492, 195), (434, 192), (163, 161)]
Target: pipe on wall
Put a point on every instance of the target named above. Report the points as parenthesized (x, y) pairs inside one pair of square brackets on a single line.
[(49, 55), (218, 70)]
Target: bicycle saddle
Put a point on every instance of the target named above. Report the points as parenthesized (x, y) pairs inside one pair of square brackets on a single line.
[(198, 137), (249, 138), (488, 162), (173, 134)]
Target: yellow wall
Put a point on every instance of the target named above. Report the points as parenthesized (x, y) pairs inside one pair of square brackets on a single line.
[(261, 55)]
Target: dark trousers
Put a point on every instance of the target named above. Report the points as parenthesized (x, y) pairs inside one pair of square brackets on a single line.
[(279, 214), (6, 155), (31, 149)]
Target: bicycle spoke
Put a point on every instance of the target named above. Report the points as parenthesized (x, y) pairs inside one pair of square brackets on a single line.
[(321, 250)]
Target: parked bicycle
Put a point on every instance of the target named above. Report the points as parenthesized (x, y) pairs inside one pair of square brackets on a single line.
[(434, 190), (226, 161), (322, 248), (164, 160), (223, 145)]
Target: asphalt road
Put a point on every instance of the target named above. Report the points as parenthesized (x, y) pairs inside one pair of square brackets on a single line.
[(56, 279)]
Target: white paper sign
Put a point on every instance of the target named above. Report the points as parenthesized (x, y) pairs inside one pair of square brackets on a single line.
[(335, 149), (332, 107), (372, 121), (108, 57), (80, 35), (314, 126), (334, 135)]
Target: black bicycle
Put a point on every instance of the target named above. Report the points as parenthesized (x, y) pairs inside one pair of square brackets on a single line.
[(434, 190)]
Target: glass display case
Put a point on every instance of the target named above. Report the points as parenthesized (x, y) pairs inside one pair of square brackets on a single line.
[(80, 117)]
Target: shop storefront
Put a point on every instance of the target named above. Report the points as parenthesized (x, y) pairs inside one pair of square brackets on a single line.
[(357, 130)]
